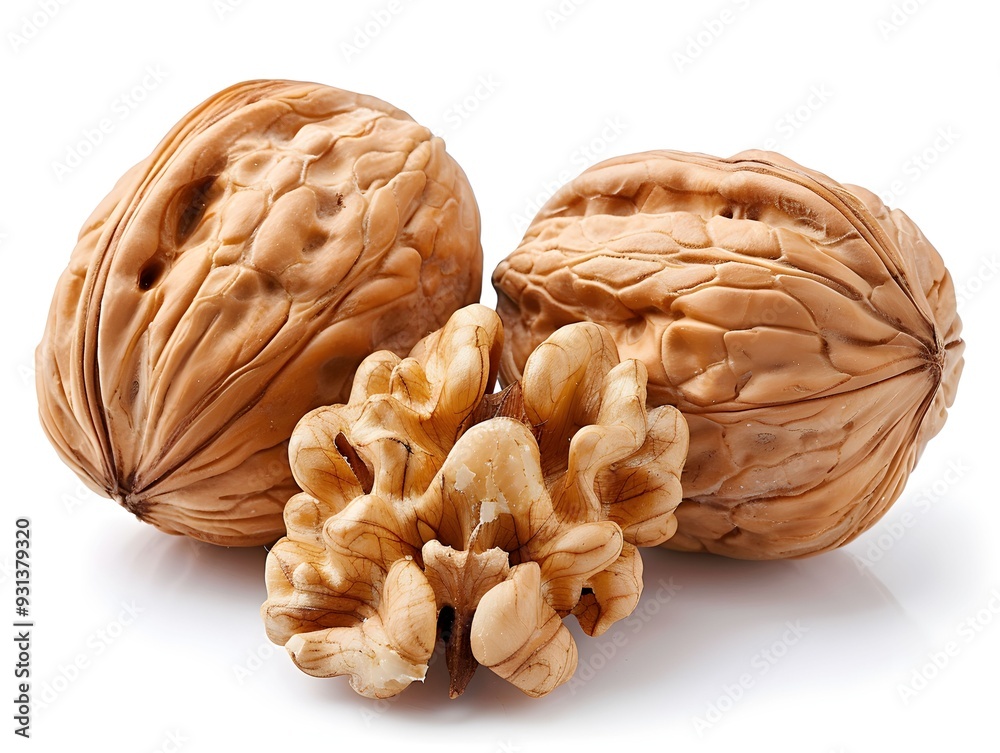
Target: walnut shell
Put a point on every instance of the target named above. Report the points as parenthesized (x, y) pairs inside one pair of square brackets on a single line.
[(428, 501), (808, 334), (233, 281)]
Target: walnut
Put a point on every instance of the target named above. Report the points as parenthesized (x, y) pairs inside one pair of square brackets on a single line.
[(429, 501), (808, 334), (233, 281)]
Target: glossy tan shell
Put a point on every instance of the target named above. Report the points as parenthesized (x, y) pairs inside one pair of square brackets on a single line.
[(808, 333), (233, 281)]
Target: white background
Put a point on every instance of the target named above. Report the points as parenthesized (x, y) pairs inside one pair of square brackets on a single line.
[(146, 642)]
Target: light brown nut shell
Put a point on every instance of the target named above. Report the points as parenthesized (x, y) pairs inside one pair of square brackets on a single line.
[(233, 281), (808, 333)]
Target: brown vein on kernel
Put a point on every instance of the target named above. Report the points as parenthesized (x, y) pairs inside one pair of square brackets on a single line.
[(507, 403)]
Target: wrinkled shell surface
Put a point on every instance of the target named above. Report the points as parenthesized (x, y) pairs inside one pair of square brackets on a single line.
[(424, 494), (808, 333), (233, 281)]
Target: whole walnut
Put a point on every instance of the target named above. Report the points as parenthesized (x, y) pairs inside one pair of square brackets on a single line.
[(808, 334), (233, 281)]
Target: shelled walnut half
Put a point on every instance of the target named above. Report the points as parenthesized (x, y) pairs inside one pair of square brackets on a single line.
[(430, 505)]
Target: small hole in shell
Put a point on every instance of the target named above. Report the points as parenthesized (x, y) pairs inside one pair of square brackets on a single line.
[(191, 203), (315, 240), (151, 274)]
